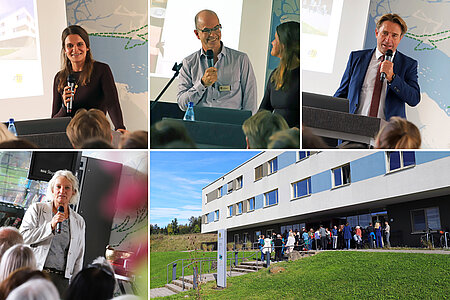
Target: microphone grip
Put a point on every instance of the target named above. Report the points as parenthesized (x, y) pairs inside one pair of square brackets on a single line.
[(58, 227)]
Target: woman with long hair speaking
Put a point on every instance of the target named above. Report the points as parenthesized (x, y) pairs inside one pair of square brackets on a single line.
[(92, 81), (282, 93)]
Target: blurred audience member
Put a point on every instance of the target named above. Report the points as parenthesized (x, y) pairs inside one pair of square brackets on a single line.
[(134, 140), (35, 289), (9, 236), (17, 278), (165, 132), (16, 257), (311, 141), (96, 143), (88, 124), (5, 134), (398, 134), (260, 127), (286, 139), (95, 282), (17, 144)]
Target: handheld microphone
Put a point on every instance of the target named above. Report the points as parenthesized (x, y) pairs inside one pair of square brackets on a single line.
[(59, 225), (388, 56), (210, 58), (71, 83)]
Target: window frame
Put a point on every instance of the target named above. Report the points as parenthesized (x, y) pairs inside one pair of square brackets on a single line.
[(248, 205), (260, 167), (307, 155), (265, 198), (216, 213), (239, 208), (308, 188), (239, 182), (271, 164), (333, 176), (401, 159), (230, 184), (426, 219), (229, 211)]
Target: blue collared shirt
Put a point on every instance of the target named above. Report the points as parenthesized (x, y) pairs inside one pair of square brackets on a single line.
[(235, 86)]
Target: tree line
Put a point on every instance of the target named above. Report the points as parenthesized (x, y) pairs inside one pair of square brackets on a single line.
[(194, 226)]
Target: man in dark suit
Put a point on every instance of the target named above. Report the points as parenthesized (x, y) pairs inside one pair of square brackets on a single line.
[(382, 99)]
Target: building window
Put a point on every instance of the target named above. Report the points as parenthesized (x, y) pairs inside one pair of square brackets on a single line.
[(239, 182), (221, 191), (230, 186), (258, 172), (301, 188), (239, 208), (341, 175), (251, 204), (273, 165), (303, 154), (216, 215), (230, 211), (271, 198), (400, 159), (422, 219)]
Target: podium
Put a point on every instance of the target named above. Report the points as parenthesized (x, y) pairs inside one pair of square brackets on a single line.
[(209, 132), (341, 125), (50, 133)]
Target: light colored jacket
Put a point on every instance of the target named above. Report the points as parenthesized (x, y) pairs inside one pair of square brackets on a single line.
[(37, 232)]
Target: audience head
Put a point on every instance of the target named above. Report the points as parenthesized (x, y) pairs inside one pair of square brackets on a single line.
[(134, 140), (17, 144), (17, 278), (16, 257), (285, 139), (166, 132), (311, 141), (96, 143), (88, 124), (9, 236), (398, 133), (95, 282), (73, 180), (5, 134), (35, 289), (261, 126)]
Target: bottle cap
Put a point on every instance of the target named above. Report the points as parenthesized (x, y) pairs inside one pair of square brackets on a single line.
[(11, 120)]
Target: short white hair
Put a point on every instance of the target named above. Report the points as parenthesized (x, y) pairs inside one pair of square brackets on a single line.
[(73, 180), (35, 289), (16, 257)]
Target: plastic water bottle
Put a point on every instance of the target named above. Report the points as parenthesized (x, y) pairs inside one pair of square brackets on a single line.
[(12, 127), (189, 115)]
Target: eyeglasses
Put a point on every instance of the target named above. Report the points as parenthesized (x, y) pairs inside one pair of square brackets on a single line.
[(209, 30)]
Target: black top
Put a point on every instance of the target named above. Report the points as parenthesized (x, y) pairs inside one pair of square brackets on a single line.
[(100, 93), (287, 102)]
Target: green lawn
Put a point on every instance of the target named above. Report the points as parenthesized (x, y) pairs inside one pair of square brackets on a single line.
[(342, 275)]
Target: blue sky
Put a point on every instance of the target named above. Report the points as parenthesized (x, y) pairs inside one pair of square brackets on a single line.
[(177, 179)]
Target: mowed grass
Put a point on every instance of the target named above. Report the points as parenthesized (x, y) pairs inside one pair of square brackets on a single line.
[(159, 261), (342, 275)]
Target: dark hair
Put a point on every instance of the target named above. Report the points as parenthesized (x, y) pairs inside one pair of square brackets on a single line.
[(66, 65), (18, 144), (165, 132), (261, 126), (289, 36), (134, 140), (285, 139), (311, 141), (92, 283), (394, 18), (398, 134), (18, 277)]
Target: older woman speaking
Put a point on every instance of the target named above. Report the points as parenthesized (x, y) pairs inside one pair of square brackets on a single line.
[(55, 232)]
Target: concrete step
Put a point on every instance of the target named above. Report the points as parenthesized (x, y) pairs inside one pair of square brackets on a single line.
[(244, 270), (187, 285), (161, 292), (252, 267), (203, 278), (174, 288)]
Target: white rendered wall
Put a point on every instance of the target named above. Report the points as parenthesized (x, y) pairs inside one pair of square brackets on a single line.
[(411, 181)]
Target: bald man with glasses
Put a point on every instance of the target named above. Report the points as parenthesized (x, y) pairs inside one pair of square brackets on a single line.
[(230, 83)]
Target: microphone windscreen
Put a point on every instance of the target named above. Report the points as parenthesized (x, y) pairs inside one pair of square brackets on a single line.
[(71, 78), (209, 54), (61, 209)]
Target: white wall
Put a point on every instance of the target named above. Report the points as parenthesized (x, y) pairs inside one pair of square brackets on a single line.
[(254, 41), (52, 21)]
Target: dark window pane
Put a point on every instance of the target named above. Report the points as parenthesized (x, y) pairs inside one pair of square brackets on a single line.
[(409, 158), (418, 217), (337, 177), (394, 160)]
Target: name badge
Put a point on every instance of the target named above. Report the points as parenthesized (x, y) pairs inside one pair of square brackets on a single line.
[(224, 88)]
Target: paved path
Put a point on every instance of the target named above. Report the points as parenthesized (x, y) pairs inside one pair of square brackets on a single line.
[(399, 251), (161, 292)]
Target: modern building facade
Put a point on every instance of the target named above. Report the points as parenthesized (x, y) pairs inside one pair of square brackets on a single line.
[(276, 191)]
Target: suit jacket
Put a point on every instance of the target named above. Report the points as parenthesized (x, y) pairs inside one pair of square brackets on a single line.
[(36, 230), (404, 88)]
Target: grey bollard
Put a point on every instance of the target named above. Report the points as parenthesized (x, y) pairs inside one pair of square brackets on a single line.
[(174, 271), (236, 260), (268, 259), (194, 277)]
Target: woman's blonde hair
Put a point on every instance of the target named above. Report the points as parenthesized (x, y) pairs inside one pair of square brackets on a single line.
[(398, 134), (73, 180)]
